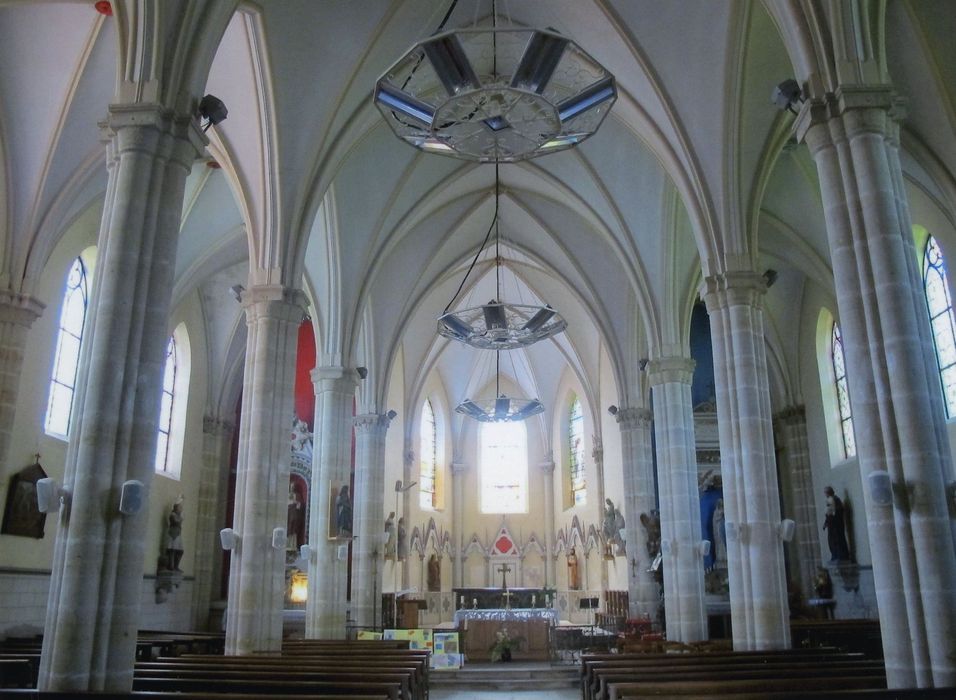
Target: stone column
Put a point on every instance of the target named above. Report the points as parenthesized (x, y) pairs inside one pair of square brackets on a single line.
[(597, 454), (327, 602), (684, 609), (635, 423), (459, 472), (547, 472), (369, 501), (257, 572), (216, 441), (796, 445), (758, 586), (893, 379), (17, 314), (89, 639)]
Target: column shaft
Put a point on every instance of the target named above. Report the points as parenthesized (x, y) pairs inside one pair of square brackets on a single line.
[(547, 471), (458, 475), (257, 573), (95, 587), (367, 559), (217, 438), (680, 499), (635, 423), (758, 588), (331, 468), (893, 381)]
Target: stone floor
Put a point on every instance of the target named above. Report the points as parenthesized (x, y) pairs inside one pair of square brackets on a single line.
[(515, 681), (451, 694)]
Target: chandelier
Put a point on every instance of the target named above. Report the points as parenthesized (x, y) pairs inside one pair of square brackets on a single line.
[(501, 409), (498, 325), (495, 94)]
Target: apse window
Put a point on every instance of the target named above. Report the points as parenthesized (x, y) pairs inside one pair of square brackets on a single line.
[(939, 303), (172, 407), (504, 467), (838, 359), (579, 491), (59, 409), (428, 447)]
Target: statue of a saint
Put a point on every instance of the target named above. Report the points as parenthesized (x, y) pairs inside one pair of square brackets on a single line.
[(574, 580), (402, 544), (652, 530), (720, 533), (390, 536), (434, 573), (835, 526), (173, 537), (343, 513), (613, 524), (295, 520)]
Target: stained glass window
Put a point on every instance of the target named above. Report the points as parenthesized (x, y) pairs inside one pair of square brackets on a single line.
[(429, 452), (66, 361), (166, 408), (843, 394), (940, 306), (504, 468), (576, 452)]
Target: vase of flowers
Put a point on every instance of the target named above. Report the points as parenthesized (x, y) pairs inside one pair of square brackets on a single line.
[(503, 646)]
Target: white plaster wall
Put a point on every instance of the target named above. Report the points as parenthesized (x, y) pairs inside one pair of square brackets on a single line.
[(617, 569)]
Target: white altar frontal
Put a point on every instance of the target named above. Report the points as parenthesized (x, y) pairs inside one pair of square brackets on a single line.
[(505, 615)]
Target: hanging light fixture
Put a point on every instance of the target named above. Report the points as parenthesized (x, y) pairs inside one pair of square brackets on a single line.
[(502, 408), (498, 325), (495, 94)]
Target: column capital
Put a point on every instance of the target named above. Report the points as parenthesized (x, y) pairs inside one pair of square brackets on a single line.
[(458, 468), (740, 288), (632, 417), (343, 380), (213, 425), (277, 300), (861, 108), (20, 309), (547, 467), (143, 127), (369, 422), (669, 370)]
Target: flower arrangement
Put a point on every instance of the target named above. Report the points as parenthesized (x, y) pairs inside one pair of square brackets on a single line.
[(503, 646)]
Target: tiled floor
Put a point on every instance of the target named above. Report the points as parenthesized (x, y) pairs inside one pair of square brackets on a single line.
[(448, 694)]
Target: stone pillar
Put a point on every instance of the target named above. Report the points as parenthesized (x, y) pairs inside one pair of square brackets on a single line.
[(459, 472), (597, 454), (369, 501), (216, 441), (17, 314), (898, 411), (89, 639), (327, 602), (638, 462), (755, 567), (547, 472), (684, 609), (257, 572), (796, 445)]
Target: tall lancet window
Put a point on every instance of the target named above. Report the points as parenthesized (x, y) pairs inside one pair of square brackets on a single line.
[(166, 408), (579, 490), (428, 446), (504, 467), (843, 394), (940, 305), (59, 408)]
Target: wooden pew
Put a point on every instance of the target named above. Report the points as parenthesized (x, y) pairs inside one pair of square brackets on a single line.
[(805, 683), (343, 685)]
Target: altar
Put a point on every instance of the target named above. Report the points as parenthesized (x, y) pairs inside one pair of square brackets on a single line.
[(496, 598), (529, 628)]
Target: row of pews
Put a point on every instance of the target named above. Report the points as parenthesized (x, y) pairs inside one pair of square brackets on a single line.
[(831, 658), (306, 669)]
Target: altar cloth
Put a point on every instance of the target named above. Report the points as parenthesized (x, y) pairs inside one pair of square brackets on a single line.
[(506, 615)]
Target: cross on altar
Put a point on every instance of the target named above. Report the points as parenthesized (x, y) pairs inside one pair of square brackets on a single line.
[(507, 596), (504, 569)]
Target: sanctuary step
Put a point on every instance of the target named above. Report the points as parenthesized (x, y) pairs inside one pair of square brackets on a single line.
[(507, 676)]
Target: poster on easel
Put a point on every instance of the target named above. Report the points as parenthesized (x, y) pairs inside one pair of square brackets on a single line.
[(446, 654)]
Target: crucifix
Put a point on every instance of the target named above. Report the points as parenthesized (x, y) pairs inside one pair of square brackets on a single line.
[(503, 569)]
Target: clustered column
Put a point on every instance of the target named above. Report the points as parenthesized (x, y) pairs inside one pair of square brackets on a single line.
[(89, 640), (638, 464), (327, 600), (547, 473), (898, 412), (670, 380), (17, 314), (796, 445), (755, 567), (459, 472), (217, 438), (367, 559), (257, 575)]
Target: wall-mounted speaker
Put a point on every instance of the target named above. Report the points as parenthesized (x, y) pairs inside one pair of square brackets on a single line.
[(703, 547), (787, 529), (881, 487), (48, 495), (342, 553), (132, 497), (278, 538), (229, 538)]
